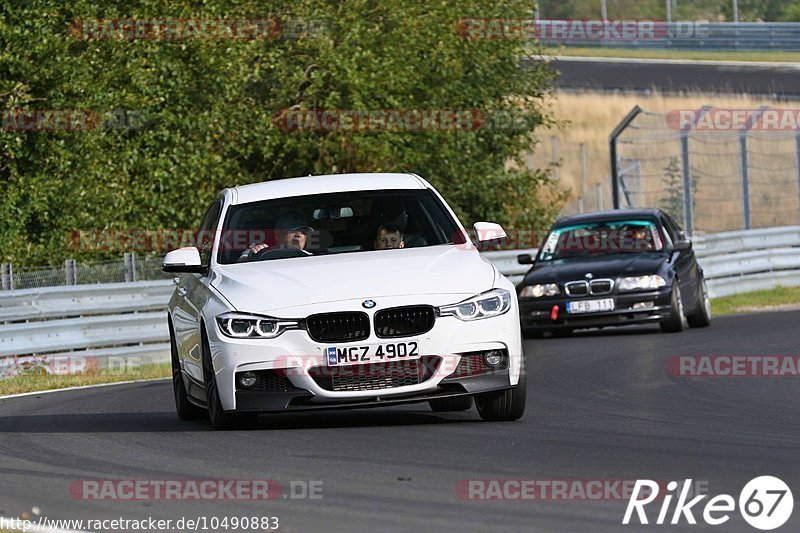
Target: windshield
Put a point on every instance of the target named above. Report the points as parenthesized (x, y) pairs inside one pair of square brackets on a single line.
[(601, 237), (335, 223)]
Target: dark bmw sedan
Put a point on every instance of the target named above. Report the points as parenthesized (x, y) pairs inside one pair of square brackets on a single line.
[(613, 268)]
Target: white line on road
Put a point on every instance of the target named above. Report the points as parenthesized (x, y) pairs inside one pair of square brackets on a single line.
[(22, 394)]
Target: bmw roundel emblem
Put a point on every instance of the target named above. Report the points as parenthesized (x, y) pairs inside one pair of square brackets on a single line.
[(368, 304)]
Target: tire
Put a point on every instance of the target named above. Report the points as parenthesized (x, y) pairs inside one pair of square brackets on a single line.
[(220, 420), (186, 410), (444, 405), (701, 317), (676, 321), (506, 405)]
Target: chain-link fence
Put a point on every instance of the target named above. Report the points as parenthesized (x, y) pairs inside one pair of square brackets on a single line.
[(580, 168), (713, 169), (130, 268)]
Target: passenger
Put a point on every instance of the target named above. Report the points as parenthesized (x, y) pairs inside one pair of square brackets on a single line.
[(389, 236)]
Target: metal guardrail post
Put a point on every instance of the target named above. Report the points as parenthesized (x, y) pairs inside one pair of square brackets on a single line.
[(8, 276), (130, 266), (71, 272)]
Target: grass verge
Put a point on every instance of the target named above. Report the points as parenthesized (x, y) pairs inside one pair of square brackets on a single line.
[(41, 382), (707, 55), (756, 301)]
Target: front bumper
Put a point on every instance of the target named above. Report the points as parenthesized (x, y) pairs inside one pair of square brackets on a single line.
[(295, 356), (297, 399), (639, 307)]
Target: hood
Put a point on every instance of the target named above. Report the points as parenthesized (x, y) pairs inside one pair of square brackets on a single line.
[(265, 286), (602, 266)]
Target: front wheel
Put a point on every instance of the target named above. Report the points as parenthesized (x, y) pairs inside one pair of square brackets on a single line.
[(185, 409), (219, 418), (701, 317), (676, 321), (506, 405)]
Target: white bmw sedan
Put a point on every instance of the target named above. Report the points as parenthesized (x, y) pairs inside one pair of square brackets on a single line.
[(336, 292)]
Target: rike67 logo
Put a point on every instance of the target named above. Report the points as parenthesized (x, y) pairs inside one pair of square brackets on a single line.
[(765, 503)]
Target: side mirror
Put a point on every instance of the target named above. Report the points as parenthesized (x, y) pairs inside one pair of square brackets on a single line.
[(489, 233), (525, 259), (184, 260), (682, 244)]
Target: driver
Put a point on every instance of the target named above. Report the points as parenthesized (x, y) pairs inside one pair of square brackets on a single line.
[(638, 237), (291, 231)]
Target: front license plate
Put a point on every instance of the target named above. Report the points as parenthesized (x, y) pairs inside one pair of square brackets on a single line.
[(371, 353), (590, 306)]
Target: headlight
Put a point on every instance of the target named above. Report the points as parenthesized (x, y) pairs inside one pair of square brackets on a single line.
[(486, 305), (642, 282), (242, 326), (539, 290)]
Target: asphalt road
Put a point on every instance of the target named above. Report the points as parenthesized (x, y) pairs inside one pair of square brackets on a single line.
[(600, 407), (781, 82)]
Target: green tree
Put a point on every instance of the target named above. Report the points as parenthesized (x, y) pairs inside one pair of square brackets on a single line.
[(672, 201), (207, 108)]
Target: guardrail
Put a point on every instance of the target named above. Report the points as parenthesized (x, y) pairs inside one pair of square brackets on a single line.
[(737, 262), (683, 35), (120, 322), (61, 329)]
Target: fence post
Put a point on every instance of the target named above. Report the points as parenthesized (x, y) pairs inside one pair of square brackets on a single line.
[(554, 156), (797, 149), (745, 178), (688, 207), (70, 272), (584, 177), (612, 152), (743, 163), (8, 276), (688, 211), (599, 196), (130, 266)]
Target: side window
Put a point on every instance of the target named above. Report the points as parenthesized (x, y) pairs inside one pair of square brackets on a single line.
[(672, 228), (207, 233)]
